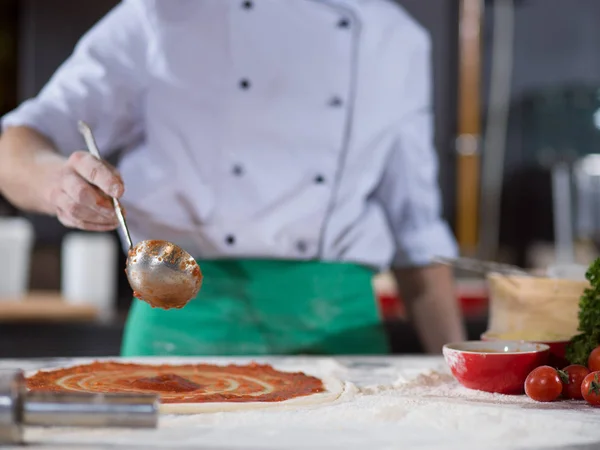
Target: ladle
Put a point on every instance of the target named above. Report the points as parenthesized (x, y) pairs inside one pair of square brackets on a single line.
[(160, 273)]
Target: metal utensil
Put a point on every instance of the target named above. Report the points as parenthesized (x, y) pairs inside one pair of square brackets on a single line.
[(483, 267), (19, 408), (159, 272)]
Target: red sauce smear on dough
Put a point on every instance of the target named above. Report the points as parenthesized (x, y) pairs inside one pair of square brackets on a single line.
[(189, 383), (168, 382)]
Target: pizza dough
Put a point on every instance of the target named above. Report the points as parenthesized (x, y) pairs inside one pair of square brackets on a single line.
[(192, 388)]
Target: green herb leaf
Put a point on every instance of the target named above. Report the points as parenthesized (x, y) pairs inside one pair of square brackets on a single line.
[(564, 376), (588, 338)]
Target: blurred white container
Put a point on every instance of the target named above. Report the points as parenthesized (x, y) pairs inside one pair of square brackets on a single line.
[(16, 243), (568, 271), (88, 271)]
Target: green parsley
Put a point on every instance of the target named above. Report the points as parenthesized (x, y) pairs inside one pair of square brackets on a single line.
[(581, 345)]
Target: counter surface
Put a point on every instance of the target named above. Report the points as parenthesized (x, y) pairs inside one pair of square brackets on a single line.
[(390, 402)]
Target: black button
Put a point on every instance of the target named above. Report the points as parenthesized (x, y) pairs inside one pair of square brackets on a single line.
[(336, 102), (247, 5), (343, 23), (230, 239), (245, 84), (319, 179), (301, 246), (238, 170)]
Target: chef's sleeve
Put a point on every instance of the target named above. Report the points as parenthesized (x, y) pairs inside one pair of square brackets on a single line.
[(102, 83), (409, 190)]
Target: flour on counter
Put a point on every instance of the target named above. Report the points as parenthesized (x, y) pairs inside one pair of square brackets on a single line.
[(441, 385), (394, 402)]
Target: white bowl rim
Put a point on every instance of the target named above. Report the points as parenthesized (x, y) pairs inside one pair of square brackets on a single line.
[(544, 341), (536, 347)]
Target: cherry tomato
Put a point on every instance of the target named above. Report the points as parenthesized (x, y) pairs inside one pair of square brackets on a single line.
[(572, 376), (543, 384), (590, 388), (594, 360)]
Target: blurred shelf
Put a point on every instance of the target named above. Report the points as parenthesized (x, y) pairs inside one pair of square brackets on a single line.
[(42, 306)]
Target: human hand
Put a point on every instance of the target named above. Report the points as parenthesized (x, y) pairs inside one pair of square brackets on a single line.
[(79, 192)]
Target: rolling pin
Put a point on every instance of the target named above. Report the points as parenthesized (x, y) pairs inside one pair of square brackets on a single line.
[(20, 408)]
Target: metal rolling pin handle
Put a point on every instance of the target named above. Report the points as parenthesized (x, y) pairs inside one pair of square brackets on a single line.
[(19, 408)]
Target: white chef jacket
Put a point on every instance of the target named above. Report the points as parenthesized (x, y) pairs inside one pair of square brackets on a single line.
[(294, 129)]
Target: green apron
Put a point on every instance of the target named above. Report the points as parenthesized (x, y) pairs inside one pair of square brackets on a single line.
[(265, 307)]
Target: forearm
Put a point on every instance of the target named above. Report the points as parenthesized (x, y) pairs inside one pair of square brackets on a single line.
[(27, 159), (430, 298)]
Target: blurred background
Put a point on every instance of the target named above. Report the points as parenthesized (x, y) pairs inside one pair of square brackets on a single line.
[(517, 103)]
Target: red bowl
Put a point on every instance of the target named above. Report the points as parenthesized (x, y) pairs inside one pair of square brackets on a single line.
[(558, 350), (494, 366)]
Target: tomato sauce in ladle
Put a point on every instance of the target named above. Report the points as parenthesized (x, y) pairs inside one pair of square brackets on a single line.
[(160, 273)]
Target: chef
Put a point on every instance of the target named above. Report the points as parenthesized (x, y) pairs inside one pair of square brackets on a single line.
[(288, 145)]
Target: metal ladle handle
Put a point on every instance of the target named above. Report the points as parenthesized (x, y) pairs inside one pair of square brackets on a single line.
[(90, 142)]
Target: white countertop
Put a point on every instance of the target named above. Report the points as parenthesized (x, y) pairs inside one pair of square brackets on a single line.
[(393, 402)]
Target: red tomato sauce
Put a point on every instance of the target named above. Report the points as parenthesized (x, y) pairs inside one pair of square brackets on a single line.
[(190, 383)]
